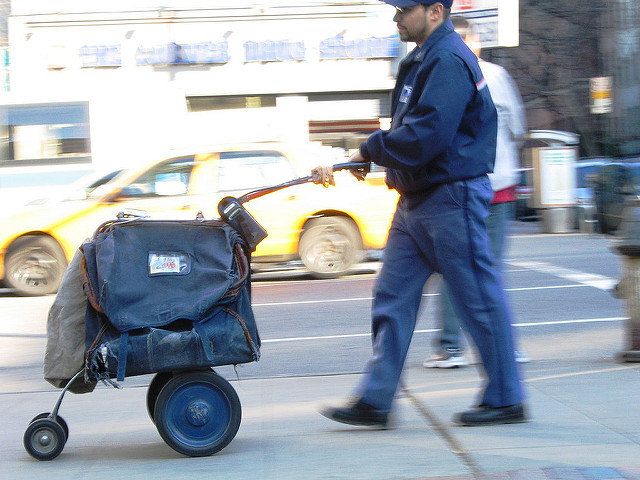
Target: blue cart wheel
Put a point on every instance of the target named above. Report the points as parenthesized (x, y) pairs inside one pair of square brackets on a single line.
[(198, 413), (44, 439), (159, 380)]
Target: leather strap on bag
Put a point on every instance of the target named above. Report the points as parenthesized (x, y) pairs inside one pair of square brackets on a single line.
[(242, 263), (87, 287)]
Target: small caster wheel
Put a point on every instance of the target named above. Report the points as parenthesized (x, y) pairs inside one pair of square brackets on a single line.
[(44, 439), (198, 413), (58, 419), (158, 381)]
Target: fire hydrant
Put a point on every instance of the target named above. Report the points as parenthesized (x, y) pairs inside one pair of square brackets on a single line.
[(628, 245)]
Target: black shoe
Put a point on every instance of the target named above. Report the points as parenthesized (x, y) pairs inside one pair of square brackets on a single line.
[(487, 415), (359, 413)]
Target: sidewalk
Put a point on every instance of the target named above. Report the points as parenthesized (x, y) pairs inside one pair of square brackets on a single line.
[(585, 424)]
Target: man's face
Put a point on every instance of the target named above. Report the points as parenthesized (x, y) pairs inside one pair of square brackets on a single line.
[(415, 23)]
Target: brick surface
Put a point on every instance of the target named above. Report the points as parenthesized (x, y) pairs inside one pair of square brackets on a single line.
[(630, 473), (602, 473), (497, 476), (557, 473), (537, 474), (564, 473)]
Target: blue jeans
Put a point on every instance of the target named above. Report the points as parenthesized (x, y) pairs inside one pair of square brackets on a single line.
[(446, 233), (499, 214)]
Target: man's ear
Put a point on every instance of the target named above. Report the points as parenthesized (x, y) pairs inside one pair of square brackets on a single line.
[(436, 10)]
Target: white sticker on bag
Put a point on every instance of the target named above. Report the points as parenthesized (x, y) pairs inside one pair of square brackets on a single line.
[(168, 263)]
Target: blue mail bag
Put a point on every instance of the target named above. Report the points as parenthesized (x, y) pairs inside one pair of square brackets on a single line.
[(167, 295)]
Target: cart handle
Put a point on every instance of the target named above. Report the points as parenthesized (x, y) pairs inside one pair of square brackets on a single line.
[(299, 181)]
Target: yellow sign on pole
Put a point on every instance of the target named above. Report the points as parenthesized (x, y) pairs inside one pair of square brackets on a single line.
[(600, 90)]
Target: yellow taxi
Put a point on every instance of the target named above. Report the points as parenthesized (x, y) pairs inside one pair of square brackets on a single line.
[(328, 229)]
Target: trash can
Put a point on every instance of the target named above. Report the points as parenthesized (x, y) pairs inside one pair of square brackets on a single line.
[(552, 155), (557, 220), (587, 217)]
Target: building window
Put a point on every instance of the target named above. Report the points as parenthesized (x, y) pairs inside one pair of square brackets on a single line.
[(228, 102), (44, 134)]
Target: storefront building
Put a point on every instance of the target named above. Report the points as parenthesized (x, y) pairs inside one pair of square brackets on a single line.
[(128, 81), (246, 70)]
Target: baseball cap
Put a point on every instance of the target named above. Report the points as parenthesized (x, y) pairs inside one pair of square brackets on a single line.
[(411, 3)]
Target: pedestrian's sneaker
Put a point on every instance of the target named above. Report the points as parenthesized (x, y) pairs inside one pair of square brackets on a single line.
[(447, 358), (521, 356)]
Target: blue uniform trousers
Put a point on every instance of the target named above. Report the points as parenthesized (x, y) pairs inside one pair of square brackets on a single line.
[(445, 233)]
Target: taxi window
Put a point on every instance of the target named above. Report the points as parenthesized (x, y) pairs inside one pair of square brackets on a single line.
[(165, 179), (251, 170)]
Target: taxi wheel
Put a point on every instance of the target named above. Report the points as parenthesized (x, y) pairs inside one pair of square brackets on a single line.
[(34, 265), (329, 246)]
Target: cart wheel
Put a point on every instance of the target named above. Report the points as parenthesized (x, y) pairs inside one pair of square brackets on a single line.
[(44, 439), (198, 413), (58, 419), (158, 381)]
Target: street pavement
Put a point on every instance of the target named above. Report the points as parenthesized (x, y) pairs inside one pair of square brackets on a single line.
[(585, 424), (583, 405)]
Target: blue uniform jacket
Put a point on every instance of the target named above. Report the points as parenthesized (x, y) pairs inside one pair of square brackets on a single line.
[(444, 122)]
